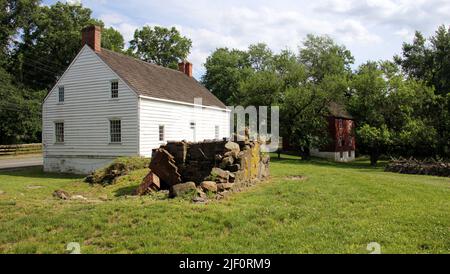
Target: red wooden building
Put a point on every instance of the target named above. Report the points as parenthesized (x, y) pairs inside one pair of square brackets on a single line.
[(341, 129)]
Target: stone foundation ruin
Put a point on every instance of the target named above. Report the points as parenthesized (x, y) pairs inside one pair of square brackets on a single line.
[(209, 166)]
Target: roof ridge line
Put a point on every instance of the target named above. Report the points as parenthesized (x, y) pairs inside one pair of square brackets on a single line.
[(142, 61)]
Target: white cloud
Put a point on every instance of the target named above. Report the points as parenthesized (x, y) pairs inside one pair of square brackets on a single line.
[(371, 29), (122, 23)]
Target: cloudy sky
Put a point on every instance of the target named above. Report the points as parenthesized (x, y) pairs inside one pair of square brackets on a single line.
[(372, 29)]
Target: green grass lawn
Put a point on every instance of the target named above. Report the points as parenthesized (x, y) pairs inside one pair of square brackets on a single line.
[(338, 208)]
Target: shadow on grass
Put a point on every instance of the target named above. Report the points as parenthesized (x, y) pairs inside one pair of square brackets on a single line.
[(125, 191), (37, 172), (362, 163)]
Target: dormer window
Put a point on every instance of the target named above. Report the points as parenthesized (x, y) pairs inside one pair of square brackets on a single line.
[(61, 94), (114, 89)]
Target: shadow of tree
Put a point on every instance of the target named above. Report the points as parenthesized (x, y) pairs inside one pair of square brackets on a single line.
[(362, 164), (125, 191), (37, 172)]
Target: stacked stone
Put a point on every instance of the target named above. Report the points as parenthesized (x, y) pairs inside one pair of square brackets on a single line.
[(210, 166)]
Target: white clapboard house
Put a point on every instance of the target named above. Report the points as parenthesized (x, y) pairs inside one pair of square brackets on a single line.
[(107, 105)]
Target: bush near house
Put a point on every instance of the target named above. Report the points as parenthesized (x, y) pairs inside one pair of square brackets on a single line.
[(119, 167)]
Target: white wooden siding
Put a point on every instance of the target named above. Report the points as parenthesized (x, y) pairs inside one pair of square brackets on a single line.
[(176, 119), (87, 109)]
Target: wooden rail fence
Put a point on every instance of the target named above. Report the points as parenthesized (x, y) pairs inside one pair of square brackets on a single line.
[(20, 149)]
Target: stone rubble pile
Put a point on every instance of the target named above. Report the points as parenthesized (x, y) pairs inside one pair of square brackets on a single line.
[(413, 166), (216, 167)]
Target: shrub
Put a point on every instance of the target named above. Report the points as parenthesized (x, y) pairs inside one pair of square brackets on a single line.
[(119, 167)]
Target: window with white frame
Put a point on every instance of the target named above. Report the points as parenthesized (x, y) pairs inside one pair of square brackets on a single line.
[(216, 132), (115, 129), (59, 132), (114, 89), (61, 94), (161, 133)]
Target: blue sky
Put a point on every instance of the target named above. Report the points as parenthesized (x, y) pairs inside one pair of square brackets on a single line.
[(372, 29)]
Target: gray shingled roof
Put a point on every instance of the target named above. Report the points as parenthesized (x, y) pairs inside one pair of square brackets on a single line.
[(159, 82)]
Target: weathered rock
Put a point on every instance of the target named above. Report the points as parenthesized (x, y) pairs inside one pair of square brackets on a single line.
[(150, 184), (226, 161), (224, 186), (220, 173), (232, 178), (209, 186), (199, 200), (180, 189), (163, 165), (232, 146), (61, 194), (78, 197), (265, 159), (103, 197), (221, 195), (200, 193)]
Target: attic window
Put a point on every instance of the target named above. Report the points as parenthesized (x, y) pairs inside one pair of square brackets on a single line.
[(341, 124), (61, 94), (115, 89)]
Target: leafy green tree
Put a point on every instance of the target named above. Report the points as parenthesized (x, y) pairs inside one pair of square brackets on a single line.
[(50, 40), (302, 85), (429, 61), (13, 16), (162, 46), (322, 56), (392, 112), (20, 112), (112, 39), (225, 69), (375, 139)]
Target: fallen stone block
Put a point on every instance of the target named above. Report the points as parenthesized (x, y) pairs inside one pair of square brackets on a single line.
[(163, 165), (180, 189), (150, 184), (61, 194)]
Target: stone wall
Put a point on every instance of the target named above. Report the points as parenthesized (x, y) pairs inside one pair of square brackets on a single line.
[(214, 166)]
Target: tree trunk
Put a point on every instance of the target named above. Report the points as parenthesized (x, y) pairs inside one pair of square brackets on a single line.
[(374, 155), (305, 153)]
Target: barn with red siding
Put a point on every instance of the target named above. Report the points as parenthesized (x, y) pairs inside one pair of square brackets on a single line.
[(341, 127)]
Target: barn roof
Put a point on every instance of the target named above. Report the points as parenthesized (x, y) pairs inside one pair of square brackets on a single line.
[(155, 81), (339, 111)]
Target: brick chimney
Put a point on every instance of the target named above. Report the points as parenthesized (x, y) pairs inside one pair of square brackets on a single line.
[(186, 68), (92, 36)]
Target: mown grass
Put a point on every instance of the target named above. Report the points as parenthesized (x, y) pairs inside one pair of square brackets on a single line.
[(339, 208)]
